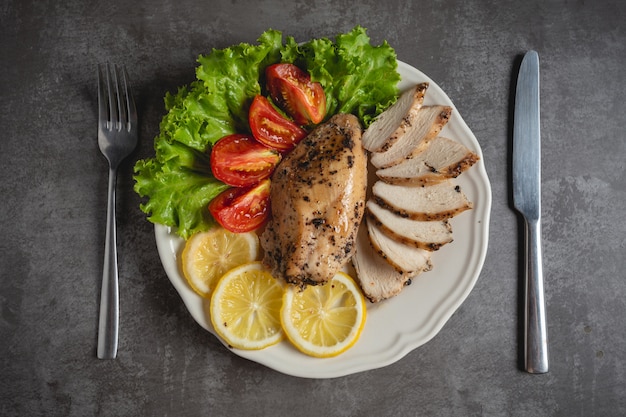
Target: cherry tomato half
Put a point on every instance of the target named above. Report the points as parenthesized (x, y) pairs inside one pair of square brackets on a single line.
[(239, 160), (270, 127), (292, 89), (241, 210)]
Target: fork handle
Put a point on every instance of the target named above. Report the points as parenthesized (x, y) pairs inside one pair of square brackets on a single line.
[(109, 296)]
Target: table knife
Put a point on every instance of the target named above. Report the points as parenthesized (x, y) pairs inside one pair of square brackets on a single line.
[(527, 200)]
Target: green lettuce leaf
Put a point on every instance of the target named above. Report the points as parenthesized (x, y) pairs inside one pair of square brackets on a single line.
[(357, 78), (180, 186)]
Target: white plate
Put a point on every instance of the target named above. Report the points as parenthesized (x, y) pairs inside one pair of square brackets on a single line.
[(398, 325)]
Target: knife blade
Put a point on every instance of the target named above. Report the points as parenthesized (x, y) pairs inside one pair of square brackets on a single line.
[(526, 170)]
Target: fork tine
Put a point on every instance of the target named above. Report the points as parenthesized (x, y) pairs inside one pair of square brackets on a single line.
[(130, 102), (103, 112), (113, 98), (120, 94), (132, 109)]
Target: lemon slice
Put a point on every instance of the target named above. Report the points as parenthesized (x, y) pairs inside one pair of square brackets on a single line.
[(324, 320), (245, 307), (208, 255)]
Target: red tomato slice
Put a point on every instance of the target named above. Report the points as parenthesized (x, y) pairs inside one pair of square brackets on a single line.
[(292, 89), (270, 127), (241, 210), (239, 160)]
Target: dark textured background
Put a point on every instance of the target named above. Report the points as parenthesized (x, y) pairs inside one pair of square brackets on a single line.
[(53, 187)]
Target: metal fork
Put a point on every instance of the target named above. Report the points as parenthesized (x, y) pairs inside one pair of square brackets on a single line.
[(117, 137)]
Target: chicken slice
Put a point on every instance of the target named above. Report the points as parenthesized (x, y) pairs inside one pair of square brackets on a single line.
[(425, 127), (403, 258), (317, 203), (394, 122), (441, 159), (435, 202), (428, 235), (377, 278)]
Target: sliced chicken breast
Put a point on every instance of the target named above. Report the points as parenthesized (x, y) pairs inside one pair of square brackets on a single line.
[(425, 127), (427, 235), (441, 159), (317, 203), (403, 258), (394, 122), (435, 202), (377, 278)]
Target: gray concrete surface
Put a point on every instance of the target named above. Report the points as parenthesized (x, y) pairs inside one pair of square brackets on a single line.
[(53, 184)]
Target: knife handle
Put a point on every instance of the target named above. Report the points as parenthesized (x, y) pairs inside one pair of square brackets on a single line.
[(536, 334)]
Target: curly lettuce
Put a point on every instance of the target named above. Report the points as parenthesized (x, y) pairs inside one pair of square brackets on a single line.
[(357, 78)]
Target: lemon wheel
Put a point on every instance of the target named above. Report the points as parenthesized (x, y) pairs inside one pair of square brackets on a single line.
[(245, 307), (324, 320), (208, 255)]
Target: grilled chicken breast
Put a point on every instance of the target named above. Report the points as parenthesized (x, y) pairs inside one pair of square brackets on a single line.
[(412, 196), (318, 201)]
